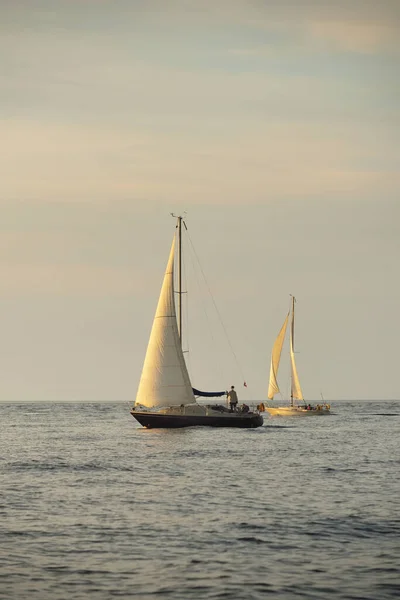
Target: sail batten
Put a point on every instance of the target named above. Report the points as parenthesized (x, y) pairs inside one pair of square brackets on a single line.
[(273, 387), (165, 380)]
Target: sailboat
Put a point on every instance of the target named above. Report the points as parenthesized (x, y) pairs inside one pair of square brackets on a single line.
[(296, 394), (165, 397)]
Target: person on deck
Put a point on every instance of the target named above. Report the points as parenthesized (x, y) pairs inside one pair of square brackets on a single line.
[(232, 398)]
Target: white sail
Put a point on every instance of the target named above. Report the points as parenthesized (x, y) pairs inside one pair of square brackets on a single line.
[(296, 389), (273, 387), (165, 379)]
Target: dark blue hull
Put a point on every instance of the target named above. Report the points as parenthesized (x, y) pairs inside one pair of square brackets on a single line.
[(163, 421)]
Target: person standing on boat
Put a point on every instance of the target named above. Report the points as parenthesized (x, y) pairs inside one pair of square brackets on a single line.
[(232, 398)]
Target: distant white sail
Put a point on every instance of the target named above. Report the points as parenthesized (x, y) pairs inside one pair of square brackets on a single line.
[(165, 379), (273, 387), (296, 389)]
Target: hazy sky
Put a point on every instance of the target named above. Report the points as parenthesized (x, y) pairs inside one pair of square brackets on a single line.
[(274, 124)]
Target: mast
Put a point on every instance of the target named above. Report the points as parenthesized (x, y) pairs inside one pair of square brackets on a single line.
[(179, 292), (292, 346), (296, 392), (180, 277)]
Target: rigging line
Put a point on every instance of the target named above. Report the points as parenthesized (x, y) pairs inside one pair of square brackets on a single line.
[(216, 361), (216, 309), (186, 312)]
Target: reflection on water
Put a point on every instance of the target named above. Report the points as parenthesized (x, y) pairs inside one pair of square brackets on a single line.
[(93, 505)]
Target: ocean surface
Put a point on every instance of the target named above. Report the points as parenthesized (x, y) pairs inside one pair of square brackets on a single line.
[(94, 506)]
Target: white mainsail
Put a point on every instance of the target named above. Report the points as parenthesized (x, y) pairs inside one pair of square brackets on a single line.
[(165, 379), (273, 387), (296, 389)]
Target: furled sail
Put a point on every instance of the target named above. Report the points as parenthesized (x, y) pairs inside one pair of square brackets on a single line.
[(273, 387), (296, 389), (165, 379), (208, 394)]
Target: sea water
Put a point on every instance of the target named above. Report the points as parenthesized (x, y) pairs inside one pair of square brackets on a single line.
[(94, 506)]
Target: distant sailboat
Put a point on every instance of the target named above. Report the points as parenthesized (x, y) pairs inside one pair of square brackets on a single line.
[(296, 394), (165, 397)]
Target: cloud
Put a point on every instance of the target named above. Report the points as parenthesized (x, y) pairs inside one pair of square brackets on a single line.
[(101, 121), (109, 120), (250, 164), (268, 121), (329, 37), (64, 280), (363, 38)]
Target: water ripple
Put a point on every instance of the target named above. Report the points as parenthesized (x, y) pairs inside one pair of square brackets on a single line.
[(93, 506)]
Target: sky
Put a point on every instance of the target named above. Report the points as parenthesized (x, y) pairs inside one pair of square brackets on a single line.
[(274, 126)]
